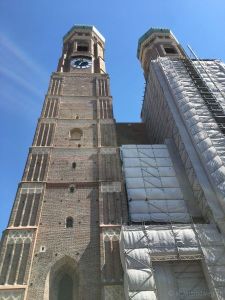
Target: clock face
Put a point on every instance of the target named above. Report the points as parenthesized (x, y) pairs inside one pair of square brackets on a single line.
[(81, 62)]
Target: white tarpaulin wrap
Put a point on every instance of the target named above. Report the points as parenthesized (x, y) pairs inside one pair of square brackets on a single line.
[(206, 135), (159, 241), (142, 245), (153, 190), (181, 280)]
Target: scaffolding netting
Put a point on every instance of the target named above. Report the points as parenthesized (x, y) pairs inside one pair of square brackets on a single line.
[(153, 191), (158, 257)]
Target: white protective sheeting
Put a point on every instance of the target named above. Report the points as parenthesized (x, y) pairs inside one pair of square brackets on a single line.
[(139, 244), (206, 135), (139, 284), (159, 241), (146, 250), (153, 190), (181, 280), (213, 73), (142, 295)]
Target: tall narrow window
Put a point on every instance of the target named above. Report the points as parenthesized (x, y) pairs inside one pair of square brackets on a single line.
[(69, 222)]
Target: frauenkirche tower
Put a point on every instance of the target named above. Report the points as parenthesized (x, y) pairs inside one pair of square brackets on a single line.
[(114, 211), (62, 238)]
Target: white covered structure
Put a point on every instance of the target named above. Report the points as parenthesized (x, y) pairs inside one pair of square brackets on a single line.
[(153, 191), (190, 109), (172, 262), (175, 187)]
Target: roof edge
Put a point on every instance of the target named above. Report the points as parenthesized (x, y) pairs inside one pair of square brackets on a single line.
[(148, 33), (80, 26)]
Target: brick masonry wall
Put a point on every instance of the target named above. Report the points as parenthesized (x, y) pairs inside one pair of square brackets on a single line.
[(88, 207), (62, 169), (71, 108), (79, 85), (80, 242), (62, 133), (71, 177)]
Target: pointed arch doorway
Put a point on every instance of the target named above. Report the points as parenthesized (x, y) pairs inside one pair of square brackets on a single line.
[(63, 280)]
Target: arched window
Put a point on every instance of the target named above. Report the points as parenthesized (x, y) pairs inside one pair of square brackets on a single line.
[(69, 222), (74, 165), (76, 134)]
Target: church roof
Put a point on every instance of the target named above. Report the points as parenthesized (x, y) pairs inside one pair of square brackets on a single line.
[(147, 34), (88, 27)]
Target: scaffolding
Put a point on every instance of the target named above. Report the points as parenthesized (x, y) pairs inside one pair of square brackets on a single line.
[(143, 247), (171, 239), (153, 190), (206, 135), (207, 95), (189, 85)]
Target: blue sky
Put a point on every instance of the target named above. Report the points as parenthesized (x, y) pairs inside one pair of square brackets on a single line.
[(30, 44)]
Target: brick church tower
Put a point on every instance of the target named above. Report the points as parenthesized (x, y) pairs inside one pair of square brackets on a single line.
[(62, 238), (114, 211)]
